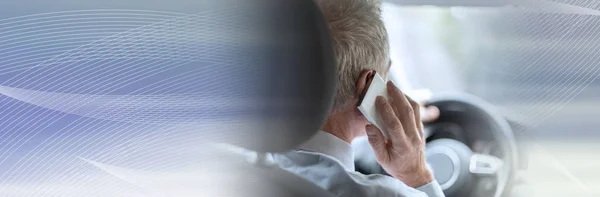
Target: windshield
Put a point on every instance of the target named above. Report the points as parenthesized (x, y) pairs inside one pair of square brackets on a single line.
[(443, 49)]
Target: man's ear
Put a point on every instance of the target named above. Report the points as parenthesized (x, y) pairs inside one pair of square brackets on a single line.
[(363, 82)]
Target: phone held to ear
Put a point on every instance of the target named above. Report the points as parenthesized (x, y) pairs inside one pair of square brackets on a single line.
[(378, 87), (366, 103)]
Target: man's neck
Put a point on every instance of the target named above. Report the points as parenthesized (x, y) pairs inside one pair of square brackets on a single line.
[(338, 125)]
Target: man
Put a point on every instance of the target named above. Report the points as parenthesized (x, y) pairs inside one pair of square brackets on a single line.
[(361, 47)]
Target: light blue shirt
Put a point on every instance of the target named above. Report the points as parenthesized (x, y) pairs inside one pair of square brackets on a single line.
[(328, 162)]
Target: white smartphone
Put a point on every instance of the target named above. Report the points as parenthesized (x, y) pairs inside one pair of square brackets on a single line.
[(366, 103)]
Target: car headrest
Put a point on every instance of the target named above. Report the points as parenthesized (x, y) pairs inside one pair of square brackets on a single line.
[(289, 79)]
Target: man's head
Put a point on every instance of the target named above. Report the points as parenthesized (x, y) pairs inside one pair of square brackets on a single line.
[(360, 43)]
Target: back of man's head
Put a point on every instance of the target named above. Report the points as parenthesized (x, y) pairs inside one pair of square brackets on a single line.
[(360, 42)]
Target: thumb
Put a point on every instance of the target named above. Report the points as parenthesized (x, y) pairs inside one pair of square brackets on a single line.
[(429, 114), (376, 139)]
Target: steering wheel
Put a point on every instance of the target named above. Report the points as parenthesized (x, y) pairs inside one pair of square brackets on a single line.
[(471, 149)]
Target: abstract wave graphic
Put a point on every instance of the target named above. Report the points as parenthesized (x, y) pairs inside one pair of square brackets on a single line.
[(120, 86)]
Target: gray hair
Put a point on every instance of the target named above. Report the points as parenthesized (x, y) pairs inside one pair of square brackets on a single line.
[(360, 42)]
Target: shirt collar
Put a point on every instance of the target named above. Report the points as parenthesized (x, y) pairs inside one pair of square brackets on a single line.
[(330, 145)]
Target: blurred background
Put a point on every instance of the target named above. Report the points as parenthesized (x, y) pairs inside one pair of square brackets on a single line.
[(537, 65)]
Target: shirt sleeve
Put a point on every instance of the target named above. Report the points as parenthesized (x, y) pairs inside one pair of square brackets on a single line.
[(432, 189)]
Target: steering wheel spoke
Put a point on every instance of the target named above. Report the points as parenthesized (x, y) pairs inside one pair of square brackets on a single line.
[(481, 164)]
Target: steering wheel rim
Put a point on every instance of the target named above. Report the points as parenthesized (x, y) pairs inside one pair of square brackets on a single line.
[(502, 132)]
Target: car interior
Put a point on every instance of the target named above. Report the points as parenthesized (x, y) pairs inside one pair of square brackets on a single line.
[(127, 97), (471, 148)]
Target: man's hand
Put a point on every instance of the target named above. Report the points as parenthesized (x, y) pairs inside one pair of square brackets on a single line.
[(403, 155)]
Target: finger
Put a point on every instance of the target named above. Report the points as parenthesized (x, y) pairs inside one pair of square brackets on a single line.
[(391, 123), (398, 99), (430, 114), (419, 125), (405, 110), (377, 141)]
